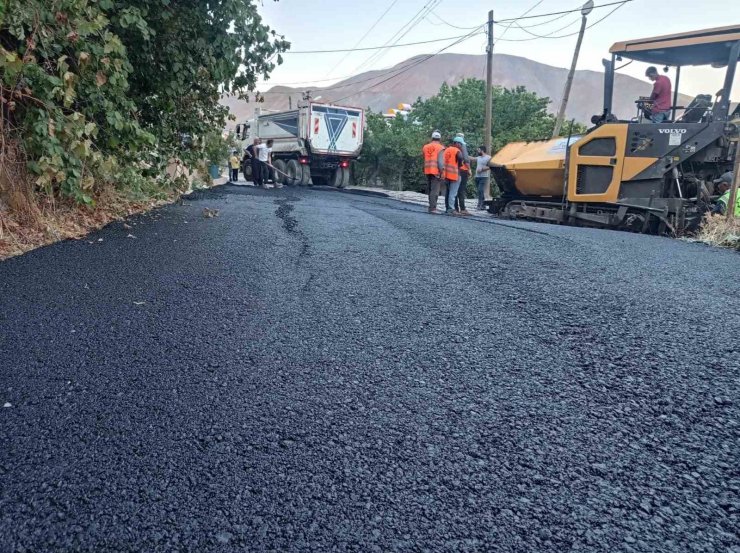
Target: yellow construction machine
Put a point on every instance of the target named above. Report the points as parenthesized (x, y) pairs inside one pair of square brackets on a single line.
[(632, 174)]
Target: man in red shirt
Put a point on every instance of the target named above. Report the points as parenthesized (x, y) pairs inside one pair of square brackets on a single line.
[(661, 96)]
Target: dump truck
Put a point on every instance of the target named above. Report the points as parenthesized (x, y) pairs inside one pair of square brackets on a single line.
[(631, 173), (313, 144)]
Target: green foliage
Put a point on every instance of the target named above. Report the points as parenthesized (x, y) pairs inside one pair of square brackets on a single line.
[(392, 153), (92, 88), (216, 149)]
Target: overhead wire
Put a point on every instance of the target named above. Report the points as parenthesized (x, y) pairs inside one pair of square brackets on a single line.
[(546, 35), (372, 27), (510, 24), (618, 5), (381, 73), (541, 23), (402, 32), (499, 21), (368, 48), (400, 70), (443, 22), (411, 66)]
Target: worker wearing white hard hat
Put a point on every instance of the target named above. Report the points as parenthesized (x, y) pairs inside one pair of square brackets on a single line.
[(432, 169)]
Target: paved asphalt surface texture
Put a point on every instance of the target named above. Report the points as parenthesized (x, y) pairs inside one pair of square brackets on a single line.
[(319, 371)]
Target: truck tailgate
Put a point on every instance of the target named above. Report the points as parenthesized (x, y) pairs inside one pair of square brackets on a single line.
[(335, 130)]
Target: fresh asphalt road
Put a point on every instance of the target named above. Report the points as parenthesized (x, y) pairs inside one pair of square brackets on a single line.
[(318, 371)]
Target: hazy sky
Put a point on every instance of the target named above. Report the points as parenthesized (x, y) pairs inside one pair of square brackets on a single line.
[(331, 24)]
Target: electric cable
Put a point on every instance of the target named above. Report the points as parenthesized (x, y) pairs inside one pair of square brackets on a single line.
[(367, 48), (443, 22), (547, 35), (622, 3), (410, 66), (402, 32), (377, 21), (559, 13)]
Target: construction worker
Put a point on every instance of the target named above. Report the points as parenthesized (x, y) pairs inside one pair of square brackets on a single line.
[(432, 169), (660, 99), (234, 165), (482, 174), (462, 190), (453, 160), (723, 186)]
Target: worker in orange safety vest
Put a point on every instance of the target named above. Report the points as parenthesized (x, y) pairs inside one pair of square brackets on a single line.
[(462, 191), (453, 160), (432, 169)]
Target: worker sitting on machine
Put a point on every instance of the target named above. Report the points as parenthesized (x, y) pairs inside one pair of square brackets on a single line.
[(657, 107), (722, 187)]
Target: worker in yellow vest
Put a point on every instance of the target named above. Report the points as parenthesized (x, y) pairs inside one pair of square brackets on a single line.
[(453, 160), (432, 169), (723, 186)]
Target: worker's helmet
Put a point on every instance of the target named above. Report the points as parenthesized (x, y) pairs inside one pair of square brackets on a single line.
[(459, 140), (436, 135)]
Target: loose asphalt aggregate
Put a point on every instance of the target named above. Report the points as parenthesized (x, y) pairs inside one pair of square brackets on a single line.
[(319, 371)]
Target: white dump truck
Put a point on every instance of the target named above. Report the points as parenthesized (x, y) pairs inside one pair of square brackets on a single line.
[(313, 144)]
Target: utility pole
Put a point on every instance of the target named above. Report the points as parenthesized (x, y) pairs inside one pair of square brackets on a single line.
[(489, 85), (585, 10)]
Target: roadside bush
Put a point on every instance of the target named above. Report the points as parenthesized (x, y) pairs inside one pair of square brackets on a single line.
[(90, 89)]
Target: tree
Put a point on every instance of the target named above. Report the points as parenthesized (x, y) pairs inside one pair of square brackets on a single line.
[(92, 90), (185, 54), (390, 152)]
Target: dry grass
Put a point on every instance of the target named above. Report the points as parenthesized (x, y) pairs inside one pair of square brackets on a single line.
[(54, 222), (719, 231), (29, 219)]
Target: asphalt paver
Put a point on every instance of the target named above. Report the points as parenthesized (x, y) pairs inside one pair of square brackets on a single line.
[(306, 370)]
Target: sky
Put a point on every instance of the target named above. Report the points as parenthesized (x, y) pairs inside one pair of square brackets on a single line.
[(335, 24)]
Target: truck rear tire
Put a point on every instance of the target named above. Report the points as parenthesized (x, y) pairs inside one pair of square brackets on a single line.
[(294, 172), (305, 175), (340, 178), (278, 171)]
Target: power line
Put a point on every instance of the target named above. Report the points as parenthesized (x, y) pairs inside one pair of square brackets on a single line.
[(443, 22), (377, 21), (410, 66), (547, 35), (561, 16), (403, 31), (537, 37), (560, 13), (510, 24), (381, 74), (414, 63), (367, 48)]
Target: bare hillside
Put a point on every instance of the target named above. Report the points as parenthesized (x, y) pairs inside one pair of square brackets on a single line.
[(425, 79)]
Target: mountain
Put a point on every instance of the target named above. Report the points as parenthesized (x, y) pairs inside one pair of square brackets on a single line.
[(424, 80)]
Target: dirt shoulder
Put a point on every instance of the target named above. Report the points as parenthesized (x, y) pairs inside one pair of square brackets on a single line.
[(49, 223)]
